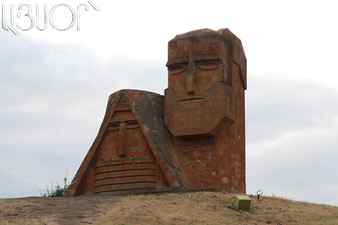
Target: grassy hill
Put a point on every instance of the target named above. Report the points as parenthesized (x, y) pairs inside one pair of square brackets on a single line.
[(171, 208), (215, 208)]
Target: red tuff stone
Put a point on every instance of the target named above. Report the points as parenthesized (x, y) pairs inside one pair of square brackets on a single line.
[(192, 138)]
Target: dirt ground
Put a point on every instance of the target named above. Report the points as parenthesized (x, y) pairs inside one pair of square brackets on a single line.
[(58, 210)]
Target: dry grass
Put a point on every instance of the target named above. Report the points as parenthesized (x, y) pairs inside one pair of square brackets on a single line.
[(168, 208), (41, 221), (22, 222), (215, 208), (20, 210), (55, 210)]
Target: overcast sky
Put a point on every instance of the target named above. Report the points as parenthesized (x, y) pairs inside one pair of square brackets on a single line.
[(54, 87)]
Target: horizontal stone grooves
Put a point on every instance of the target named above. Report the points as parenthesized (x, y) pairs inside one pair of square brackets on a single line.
[(129, 173), (129, 186), (100, 163), (124, 180), (124, 167)]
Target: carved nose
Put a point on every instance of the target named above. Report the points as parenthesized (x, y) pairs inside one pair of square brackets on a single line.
[(122, 140), (190, 77)]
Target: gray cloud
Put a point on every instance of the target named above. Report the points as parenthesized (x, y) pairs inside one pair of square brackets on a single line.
[(53, 99), (291, 138), (276, 104)]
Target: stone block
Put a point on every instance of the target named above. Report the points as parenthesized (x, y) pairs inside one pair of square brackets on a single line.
[(242, 202)]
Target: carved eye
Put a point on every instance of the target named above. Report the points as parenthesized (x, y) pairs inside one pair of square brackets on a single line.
[(208, 65), (177, 68), (114, 126), (132, 124)]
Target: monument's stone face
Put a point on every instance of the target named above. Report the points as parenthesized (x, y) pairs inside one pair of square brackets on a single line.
[(124, 156), (199, 99), (192, 138), (204, 108)]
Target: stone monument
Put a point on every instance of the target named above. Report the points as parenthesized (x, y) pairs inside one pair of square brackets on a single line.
[(192, 138)]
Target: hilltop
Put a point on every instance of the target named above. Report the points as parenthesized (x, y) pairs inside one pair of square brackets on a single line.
[(164, 208)]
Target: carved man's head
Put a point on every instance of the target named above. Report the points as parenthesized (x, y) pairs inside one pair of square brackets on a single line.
[(199, 99)]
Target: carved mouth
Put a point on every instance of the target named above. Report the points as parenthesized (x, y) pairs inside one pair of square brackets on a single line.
[(191, 99)]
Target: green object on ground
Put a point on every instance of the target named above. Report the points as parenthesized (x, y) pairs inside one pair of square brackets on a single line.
[(242, 202)]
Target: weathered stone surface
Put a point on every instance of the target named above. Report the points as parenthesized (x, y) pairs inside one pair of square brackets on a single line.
[(204, 108), (125, 155), (200, 98), (192, 138)]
